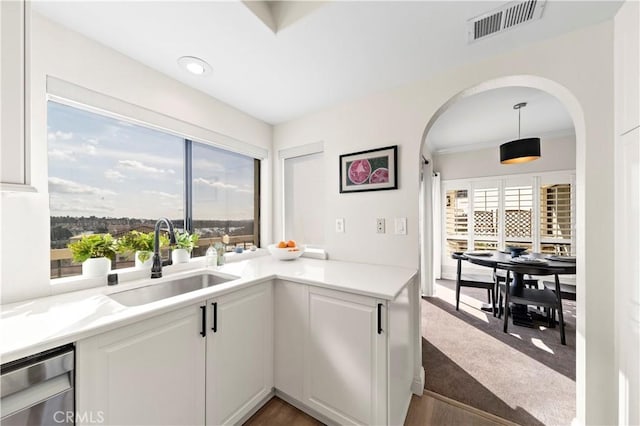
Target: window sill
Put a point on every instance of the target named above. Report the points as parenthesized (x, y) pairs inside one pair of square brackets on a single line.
[(315, 253)]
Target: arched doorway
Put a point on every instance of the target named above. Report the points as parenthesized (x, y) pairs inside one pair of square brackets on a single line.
[(575, 110)]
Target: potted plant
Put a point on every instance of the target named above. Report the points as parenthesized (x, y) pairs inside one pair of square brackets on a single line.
[(185, 242), (141, 245), (95, 252)]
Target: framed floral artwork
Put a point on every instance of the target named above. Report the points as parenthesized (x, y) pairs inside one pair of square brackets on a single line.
[(372, 170)]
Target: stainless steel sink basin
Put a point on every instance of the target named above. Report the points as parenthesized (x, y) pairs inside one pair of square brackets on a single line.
[(155, 292)]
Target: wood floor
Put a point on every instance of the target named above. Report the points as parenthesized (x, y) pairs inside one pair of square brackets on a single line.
[(276, 412), (430, 409)]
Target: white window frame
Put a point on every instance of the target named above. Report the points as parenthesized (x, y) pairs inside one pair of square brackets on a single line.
[(78, 97), (313, 251), (501, 182)]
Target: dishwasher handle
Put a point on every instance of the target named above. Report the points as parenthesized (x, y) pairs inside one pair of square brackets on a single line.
[(19, 378)]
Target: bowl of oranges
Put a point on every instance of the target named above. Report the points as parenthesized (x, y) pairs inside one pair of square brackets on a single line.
[(286, 250)]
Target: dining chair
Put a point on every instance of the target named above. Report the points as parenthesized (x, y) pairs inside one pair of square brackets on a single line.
[(547, 298), (500, 277), (475, 281), (567, 291)]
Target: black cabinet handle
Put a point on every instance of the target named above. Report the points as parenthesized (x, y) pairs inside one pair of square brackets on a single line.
[(215, 317), (203, 309), (379, 318)]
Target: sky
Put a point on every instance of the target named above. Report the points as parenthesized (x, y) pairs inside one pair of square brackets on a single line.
[(106, 167)]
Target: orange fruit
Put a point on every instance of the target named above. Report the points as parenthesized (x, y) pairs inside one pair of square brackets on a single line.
[(291, 243), (282, 244)]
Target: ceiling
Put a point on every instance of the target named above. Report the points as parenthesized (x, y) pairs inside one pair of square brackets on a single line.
[(315, 58), (488, 119)]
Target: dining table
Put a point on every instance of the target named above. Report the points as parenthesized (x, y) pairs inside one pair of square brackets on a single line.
[(519, 266)]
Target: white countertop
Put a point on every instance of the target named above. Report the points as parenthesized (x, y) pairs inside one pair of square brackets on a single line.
[(35, 325)]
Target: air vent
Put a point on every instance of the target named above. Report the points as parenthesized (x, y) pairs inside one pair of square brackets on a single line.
[(503, 18)]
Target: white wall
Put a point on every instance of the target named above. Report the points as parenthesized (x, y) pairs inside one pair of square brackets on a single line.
[(627, 210), (578, 66), (556, 154), (59, 52)]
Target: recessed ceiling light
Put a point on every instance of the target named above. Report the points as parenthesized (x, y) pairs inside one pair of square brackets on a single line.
[(194, 65)]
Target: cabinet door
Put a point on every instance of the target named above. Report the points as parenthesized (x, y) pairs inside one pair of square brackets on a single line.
[(346, 369), (148, 373), (291, 315), (627, 274), (239, 353), (627, 67), (14, 26)]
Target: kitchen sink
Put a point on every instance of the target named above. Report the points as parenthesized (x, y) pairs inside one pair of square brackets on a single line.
[(155, 292)]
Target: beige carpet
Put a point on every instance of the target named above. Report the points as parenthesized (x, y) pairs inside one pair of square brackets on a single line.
[(525, 376)]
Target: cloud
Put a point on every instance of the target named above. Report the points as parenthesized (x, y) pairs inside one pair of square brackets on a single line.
[(75, 208), (59, 136), (208, 165), (114, 175), (64, 186), (139, 166), (162, 194), (62, 155), (214, 184), (89, 149)]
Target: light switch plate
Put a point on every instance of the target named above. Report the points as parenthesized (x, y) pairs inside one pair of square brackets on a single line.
[(340, 224), (401, 225), (380, 225)]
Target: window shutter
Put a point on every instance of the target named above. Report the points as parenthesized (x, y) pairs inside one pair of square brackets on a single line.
[(555, 218)]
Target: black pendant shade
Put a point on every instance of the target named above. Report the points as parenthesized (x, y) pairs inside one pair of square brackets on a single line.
[(520, 151)]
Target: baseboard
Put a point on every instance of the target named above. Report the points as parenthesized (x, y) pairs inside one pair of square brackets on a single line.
[(256, 407), (304, 408), (473, 410), (417, 386)]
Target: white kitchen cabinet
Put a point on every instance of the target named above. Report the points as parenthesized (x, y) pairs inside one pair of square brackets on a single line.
[(346, 357), (148, 373), (14, 26), (239, 353), (627, 67), (158, 371), (627, 209), (290, 325), (328, 352)]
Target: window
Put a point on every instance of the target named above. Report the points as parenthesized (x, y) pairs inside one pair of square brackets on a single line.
[(518, 216), (509, 212), (485, 219), (110, 176), (555, 219), (224, 196), (457, 220), (304, 199)]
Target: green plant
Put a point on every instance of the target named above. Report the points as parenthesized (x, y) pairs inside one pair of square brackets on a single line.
[(139, 241), (186, 241), (92, 246)]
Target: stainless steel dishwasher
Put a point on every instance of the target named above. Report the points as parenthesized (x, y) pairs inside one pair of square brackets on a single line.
[(38, 390)]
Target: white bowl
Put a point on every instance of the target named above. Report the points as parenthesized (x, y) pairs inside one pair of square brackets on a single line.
[(288, 253)]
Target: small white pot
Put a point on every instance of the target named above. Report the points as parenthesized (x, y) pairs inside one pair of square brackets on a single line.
[(180, 256), (96, 267), (147, 263)]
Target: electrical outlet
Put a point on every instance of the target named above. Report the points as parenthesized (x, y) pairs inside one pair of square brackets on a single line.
[(380, 225), (401, 225), (340, 224)]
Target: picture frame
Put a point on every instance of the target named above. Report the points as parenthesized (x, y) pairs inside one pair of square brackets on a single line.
[(371, 170)]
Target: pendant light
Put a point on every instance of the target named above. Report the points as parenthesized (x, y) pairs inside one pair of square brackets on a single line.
[(520, 150)]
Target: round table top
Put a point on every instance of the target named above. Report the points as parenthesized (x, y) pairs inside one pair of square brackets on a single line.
[(501, 260)]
